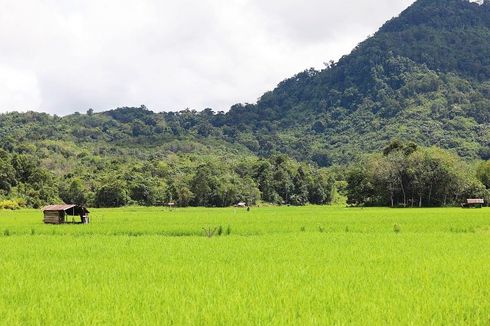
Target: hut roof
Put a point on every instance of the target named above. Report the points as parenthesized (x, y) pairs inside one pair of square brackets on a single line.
[(73, 209), (57, 207)]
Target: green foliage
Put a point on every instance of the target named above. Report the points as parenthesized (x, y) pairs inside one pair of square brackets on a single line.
[(423, 78), (410, 176), (73, 192), (7, 176), (483, 173), (12, 204), (105, 179), (419, 80), (24, 166), (397, 228), (111, 195)]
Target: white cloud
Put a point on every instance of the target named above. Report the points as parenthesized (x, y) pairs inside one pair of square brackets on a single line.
[(17, 87), (65, 56)]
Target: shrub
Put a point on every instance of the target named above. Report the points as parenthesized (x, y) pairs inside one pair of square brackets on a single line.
[(9, 204), (397, 228)]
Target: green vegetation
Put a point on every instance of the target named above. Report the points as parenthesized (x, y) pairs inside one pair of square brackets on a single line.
[(409, 176), (294, 265), (423, 78), (186, 179), (483, 173), (321, 137), (405, 175)]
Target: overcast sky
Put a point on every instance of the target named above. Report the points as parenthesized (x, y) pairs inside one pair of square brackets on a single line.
[(62, 56)]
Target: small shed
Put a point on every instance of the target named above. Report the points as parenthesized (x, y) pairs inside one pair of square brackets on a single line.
[(170, 205), (57, 214), (473, 202)]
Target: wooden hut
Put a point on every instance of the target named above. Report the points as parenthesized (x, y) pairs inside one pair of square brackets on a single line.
[(473, 203), (57, 214)]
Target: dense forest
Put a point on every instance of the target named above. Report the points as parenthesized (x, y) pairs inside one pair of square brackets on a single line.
[(422, 80), (423, 77), (405, 175), (401, 175)]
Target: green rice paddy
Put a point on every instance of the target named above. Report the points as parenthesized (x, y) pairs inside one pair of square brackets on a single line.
[(269, 266)]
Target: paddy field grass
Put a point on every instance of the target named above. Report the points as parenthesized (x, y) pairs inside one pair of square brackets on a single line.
[(270, 266)]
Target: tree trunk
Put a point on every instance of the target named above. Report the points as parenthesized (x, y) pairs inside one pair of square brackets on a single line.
[(404, 195), (430, 194)]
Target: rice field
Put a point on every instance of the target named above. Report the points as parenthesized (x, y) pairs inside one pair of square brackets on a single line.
[(270, 266)]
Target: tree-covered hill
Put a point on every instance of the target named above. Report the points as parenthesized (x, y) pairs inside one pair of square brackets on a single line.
[(424, 77)]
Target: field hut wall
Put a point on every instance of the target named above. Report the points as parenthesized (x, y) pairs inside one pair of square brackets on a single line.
[(56, 214)]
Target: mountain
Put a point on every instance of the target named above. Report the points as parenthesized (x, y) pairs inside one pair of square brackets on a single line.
[(424, 77)]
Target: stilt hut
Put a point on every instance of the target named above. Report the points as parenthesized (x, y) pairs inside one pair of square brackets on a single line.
[(57, 214)]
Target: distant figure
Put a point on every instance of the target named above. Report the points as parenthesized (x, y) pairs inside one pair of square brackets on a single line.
[(248, 208)]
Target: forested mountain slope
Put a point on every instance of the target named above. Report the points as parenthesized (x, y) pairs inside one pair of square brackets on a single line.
[(424, 77)]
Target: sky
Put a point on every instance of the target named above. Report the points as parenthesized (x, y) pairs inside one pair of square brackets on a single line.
[(63, 56)]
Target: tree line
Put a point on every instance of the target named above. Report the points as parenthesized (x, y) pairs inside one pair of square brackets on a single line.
[(409, 176), (185, 180), (402, 175)]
